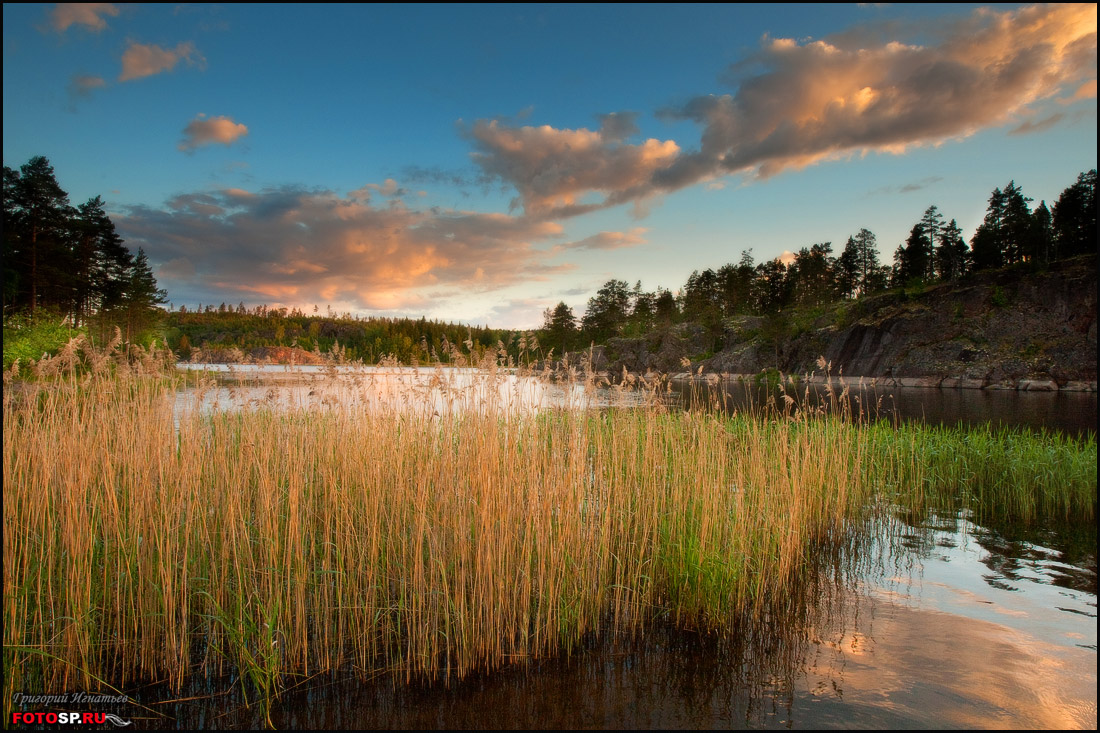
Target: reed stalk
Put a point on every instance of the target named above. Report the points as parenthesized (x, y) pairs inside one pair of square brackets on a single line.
[(142, 544)]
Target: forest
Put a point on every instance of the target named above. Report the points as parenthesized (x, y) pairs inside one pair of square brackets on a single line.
[(69, 262), (1011, 235)]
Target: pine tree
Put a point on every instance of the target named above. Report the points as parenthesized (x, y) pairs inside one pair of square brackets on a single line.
[(846, 273), (559, 327), (607, 311), (913, 260), (932, 221), (142, 297), (37, 209), (870, 275), (951, 256), (1074, 218)]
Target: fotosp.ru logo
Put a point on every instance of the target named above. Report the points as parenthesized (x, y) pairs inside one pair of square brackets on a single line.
[(67, 719)]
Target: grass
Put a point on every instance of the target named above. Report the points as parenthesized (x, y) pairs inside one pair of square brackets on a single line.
[(276, 544)]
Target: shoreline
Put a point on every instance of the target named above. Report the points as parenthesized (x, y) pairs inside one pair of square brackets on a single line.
[(1017, 385)]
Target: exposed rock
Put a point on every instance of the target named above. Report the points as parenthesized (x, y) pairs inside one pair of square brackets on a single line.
[(989, 330), (662, 350)]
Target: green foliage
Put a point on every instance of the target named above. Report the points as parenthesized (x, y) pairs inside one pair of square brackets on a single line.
[(999, 299), (408, 341), (27, 339)]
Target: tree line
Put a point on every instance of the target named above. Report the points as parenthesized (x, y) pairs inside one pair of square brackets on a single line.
[(213, 332), (935, 251), (69, 260)]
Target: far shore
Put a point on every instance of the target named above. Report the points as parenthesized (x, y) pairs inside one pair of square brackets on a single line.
[(1018, 385)]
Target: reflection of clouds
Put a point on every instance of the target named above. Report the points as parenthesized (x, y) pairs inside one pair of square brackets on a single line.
[(943, 670)]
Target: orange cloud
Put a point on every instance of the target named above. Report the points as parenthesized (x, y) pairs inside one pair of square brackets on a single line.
[(305, 247), (140, 60), (610, 240), (201, 131), (553, 168), (89, 15), (809, 101), (819, 100)]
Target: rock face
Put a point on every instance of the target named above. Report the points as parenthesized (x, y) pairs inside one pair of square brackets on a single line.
[(1000, 328), (995, 328), (661, 351)]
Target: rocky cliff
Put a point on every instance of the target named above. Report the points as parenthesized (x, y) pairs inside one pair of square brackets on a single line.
[(991, 328)]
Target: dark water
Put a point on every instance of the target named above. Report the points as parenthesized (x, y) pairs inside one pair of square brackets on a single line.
[(1073, 413), (925, 622)]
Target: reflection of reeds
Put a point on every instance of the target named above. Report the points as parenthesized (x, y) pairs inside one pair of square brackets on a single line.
[(138, 544)]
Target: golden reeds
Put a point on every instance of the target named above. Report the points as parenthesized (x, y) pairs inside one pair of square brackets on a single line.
[(141, 544)]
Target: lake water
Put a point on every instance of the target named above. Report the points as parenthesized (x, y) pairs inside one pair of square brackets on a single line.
[(1068, 412), (925, 622), (450, 389)]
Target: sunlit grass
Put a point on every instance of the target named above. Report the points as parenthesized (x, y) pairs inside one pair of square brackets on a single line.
[(140, 545)]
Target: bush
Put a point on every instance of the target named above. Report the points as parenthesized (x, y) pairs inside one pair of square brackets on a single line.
[(28, 339)]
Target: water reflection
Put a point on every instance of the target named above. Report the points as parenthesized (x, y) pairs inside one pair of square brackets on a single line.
[(425, 390), (903, 623), (1069, 412), (448, 389)]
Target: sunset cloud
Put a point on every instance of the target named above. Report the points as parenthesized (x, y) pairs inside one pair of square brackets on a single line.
[(553, 169), (816, 100), (303, 247), (799, 102), (610, 240), (208, 131), (89, 15), (141, 60)]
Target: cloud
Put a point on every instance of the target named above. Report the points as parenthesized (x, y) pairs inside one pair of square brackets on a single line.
[(610, 240), (1028, 126), (911, 187), (618, 125), (208, 131), (139, 60), (799, 102), (388, 189), (817, 100), (302, 246), (554, 168), (1085, 91), (89, 15), (435, 174), (81, 86)]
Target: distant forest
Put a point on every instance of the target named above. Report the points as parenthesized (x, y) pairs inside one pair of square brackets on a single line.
[(1012, 234), (70, 261)]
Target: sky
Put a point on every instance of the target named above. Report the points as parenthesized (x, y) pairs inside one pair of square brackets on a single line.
[(480, 163)]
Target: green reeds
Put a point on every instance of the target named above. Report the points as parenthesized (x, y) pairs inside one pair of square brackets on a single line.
[(142, 544)]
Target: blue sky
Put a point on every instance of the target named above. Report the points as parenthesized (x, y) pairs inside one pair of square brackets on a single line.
[(481, 163)]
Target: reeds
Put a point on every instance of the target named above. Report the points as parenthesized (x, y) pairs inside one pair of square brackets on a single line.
[(140, 544)]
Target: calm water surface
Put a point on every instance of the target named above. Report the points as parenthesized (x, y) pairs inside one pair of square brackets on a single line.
[(927, 622)]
